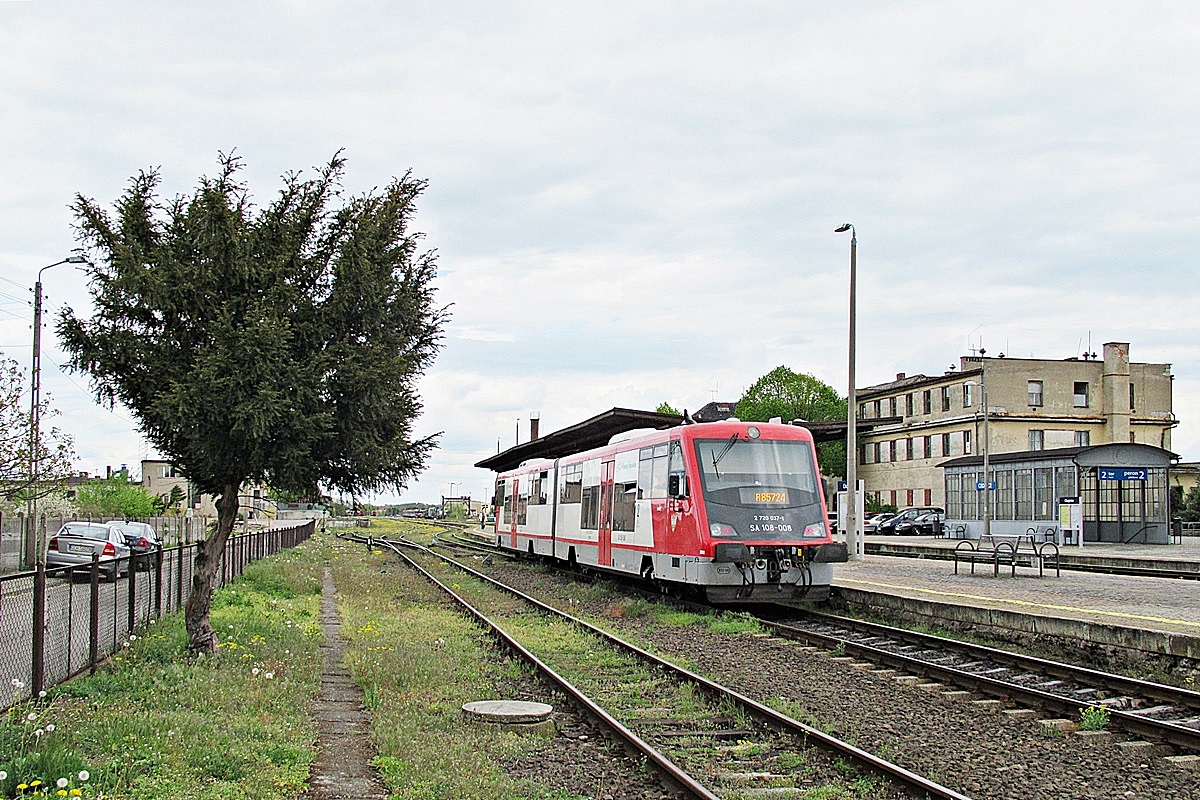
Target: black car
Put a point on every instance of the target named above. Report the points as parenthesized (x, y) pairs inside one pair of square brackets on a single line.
[(142, 542), (902, 521), (926, 524)]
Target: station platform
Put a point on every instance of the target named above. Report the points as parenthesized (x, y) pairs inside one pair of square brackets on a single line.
[(1143, 617)]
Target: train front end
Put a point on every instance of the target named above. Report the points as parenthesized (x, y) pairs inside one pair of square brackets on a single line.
[(760, 513)]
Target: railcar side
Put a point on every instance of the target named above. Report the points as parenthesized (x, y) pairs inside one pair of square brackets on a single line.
[(731, 508)]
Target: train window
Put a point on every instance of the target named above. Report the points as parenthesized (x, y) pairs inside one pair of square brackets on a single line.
[(624, 506), (589, 510), (537, 488), (502, 501), (652, 472), (572, 484), (522, 502), (508, 503)]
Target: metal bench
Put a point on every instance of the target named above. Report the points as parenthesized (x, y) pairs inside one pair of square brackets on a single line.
[(999, 552)]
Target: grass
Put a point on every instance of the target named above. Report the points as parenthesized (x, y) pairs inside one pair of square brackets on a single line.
[(152, 723), (419, 661)]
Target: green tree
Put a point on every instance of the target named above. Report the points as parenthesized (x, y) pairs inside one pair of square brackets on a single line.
[(796, 395), (280, 344), (55, 449), (667, 408), (115, 497)]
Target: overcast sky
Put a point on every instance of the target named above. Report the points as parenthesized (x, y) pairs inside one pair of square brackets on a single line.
[(635, 202)]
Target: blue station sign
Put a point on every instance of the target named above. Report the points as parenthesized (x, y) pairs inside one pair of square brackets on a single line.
[(1122, 474)]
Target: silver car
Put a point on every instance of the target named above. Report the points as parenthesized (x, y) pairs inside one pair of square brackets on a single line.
[(75, 543)]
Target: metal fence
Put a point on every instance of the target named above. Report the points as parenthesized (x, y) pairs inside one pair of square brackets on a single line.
[(54, 625)]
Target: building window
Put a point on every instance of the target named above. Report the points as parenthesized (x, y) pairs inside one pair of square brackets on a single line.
[(927, 401), (1083, 438), (878, 409), (967, 395), (862, 410), (945, 444), (865, 455), (1132, 402), (909, 496), (1035, 393), (927, 447), (893, 406), (908, 404), (966, 443), (945, 398), (892, 450), (1037, 440), (1081, 394), (875, 457), (908, 449)]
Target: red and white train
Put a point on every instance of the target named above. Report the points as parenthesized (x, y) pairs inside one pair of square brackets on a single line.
[(732, 509)]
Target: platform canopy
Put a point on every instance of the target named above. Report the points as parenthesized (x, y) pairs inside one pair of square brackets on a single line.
[(598, 430), (590, 433)]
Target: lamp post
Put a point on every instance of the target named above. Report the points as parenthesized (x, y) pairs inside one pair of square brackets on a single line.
[(853, 541), (35, 410)]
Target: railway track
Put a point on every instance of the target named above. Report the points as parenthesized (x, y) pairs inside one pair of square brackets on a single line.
[(733, 743), (1156, 711)]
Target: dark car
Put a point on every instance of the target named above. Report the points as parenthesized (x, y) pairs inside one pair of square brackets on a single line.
[(926, 524), (901, 522), (142, 542)]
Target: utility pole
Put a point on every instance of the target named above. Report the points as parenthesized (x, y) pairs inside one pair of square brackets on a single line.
[(35, 405)]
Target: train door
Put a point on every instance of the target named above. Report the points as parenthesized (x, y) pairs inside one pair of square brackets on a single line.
[(604, 557), (510, 511)]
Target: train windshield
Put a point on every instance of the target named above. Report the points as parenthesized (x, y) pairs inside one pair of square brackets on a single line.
[(760, 489)]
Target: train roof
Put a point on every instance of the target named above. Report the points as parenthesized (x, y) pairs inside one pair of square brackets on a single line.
[(598, 430)]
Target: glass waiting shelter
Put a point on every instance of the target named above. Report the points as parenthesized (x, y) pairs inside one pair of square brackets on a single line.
[(1122, 489)]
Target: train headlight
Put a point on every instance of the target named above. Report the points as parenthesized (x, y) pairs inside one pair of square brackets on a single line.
[(721, 529), (814, 530)]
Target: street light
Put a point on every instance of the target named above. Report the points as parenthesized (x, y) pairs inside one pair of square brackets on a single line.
[(35, 397), (853, 543)]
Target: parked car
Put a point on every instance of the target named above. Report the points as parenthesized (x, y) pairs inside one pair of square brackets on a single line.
[(926, 524), (76, 542), (141, 540), (871, 523), (905, 515)]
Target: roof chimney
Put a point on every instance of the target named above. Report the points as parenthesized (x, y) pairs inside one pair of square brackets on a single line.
[(899, 376), (533, 426)]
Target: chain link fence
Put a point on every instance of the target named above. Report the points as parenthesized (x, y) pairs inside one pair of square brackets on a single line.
[(58, 623), (18, 537)]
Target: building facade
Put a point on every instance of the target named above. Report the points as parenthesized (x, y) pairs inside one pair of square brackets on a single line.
[(1031, 404), (160, 477)]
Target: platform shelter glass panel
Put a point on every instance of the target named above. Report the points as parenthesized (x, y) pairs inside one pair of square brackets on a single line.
[(1064, 482), (1045, 505), (954, 503), (1004, 495), (1023, 488)]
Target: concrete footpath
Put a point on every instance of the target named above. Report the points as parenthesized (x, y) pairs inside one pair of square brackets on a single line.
[(1150, 615)]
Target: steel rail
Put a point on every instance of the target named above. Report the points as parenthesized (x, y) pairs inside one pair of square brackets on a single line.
[(674, 774), (1179, 735), (778, 720)]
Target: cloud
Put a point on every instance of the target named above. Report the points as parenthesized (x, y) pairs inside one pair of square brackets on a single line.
[(635, 202)]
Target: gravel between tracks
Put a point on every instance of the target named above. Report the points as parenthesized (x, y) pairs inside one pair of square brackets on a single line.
[(978, 752)]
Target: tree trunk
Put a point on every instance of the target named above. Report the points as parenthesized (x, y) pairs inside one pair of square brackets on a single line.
[(202, 639)]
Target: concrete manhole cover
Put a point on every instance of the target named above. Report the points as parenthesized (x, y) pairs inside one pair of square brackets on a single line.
[(508, 711)]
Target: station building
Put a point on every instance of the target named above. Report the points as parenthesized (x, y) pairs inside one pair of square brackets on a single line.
[(920, 421)]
